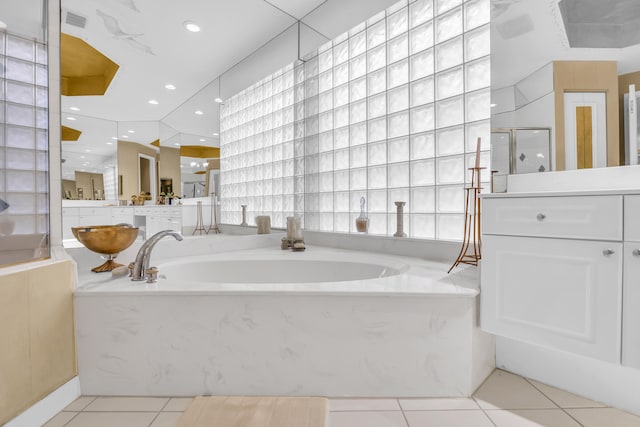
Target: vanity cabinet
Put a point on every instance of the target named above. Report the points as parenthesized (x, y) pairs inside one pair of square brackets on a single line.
[(551, 272), (631, 288)]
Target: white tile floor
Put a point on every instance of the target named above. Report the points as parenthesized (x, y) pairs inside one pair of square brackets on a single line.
[(504, 400)]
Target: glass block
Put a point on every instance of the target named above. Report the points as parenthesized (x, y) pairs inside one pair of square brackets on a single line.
[(449, 54), (20, 93), (341, 95), (449, 83), (450, 112), (358, 156), (358, 179), (477, 43), (20, 115), (326, 222), (450, 170), (358, 134), (42, 161), (376, 18), (396, 7), (398, 150), (358, 67), (450, 141), (20, 70), (377, 82), (420, 12), (449, 25), (20, 159), (377, 58), (325, 81), (377, 129), (478, 105), (422, 64), (478, 130), (477, 13), (376, 34), (398, 73), (341, 159), (21, 204), (20, 48), (325, 180), (377, 177), (326, 202), (422, 91), (20, 137), (378, 224), (377, 105), (398, 124), (341, 181), (358, 89), (421, 38), (341, 224), (478, 74), (377, 200), (450, 199), (398, 99), (423, 172), (422, 118), (398, 175), (341, 116), (358, 111), (397, 23), (20, 181), (423, 226), (340, 53), (341, 138), (398, 48), (423, 199), (341, 74), (377, 153), (358, 44), (325, 101), (398, 195), (444, 5), (422, 146), (42, 182), (326, 121)]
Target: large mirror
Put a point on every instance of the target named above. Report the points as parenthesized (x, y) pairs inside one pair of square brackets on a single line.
[(561, 68)]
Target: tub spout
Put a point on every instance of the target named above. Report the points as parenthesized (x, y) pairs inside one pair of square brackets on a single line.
[(141, 264)]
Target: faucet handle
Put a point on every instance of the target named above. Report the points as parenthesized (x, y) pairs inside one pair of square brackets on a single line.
[(151, 274), (130, 267)]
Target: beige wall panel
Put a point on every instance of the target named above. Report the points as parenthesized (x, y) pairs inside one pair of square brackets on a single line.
[(587, 76), (169, 167), (53, 355), (128, 165), (15, 371)]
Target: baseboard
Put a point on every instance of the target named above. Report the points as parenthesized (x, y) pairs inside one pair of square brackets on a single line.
[(609, 383), (48, 407)]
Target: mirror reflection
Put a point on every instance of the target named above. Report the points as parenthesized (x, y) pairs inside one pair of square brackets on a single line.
[(565, 68)]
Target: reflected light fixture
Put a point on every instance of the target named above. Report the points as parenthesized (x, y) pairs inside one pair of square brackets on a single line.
[(74, 108), (169, 86), (131, 131), (205, 164), (153, 102), (202, 140), (192, 164), (218, 100), (493, 105), (125, 136), (191, 26), (216, 134), (71, 118), (199, 113)]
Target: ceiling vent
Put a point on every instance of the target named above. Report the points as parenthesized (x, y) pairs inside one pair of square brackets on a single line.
[(75, 20)]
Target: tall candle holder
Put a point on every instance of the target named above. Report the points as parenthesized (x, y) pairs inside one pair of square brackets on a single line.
[(244, 215), (400, 220), (214, 221), (199, 223)]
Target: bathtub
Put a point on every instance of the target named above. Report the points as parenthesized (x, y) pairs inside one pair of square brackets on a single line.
[(323, 322)]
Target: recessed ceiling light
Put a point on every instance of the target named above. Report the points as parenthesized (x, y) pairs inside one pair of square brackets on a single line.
[(74, 108), (71, 118), (115, 138), (493, 105), (199, 113), (125, 136), (169, 86), (109, 143), (153, 102), (202, 140), (218, 100), (216, 134), (3, 25), (176, 143), (191, 26), (131, 131), (87, 151)]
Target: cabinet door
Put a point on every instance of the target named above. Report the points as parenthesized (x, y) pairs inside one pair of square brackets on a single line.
[(631, 306), (564, 294)]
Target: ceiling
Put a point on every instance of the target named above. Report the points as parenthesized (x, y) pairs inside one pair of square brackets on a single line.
[(527, 34)]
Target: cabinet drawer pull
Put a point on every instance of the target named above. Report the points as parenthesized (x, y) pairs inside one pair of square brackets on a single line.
[(541, 217), (608, 252), (636, 252)]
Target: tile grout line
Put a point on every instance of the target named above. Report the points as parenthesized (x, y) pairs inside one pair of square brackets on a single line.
[(404, 416), (70, 419), (480, 406), (554, 402)]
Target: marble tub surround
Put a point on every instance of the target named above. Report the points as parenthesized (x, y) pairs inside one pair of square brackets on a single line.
[(409, 334)]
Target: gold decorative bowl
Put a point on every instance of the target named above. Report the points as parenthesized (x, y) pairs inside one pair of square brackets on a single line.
[(108, 240)]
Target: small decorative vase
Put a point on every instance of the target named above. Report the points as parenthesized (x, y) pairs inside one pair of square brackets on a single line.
[(7, 225), (400, 220), (362, 222)]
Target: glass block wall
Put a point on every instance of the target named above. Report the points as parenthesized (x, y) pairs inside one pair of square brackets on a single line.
[(389, 111), (24, 143)]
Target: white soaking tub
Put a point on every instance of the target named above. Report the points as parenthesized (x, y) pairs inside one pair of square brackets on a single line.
[(324, 322)]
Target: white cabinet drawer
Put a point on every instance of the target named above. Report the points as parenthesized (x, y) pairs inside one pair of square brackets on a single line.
[(583, 217), (632, 218), (557, 293)]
